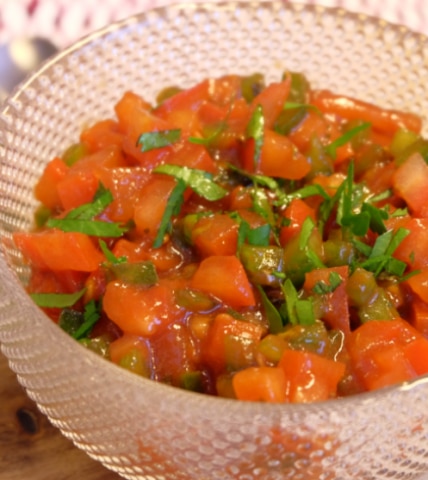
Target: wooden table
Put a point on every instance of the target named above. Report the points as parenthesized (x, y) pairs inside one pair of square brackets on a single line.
[(30, 447)]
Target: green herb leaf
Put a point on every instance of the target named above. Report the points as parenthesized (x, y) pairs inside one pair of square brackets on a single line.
[(139, 273), (95, 228), (57, 300), (199, 181), (173, 207), (299, 311), (91, 316), (151, 140), (258, 236), (305, 312), (110, 256), (322, 287), (81, 219), (295, 105), (255, 130), (207, 141), (260, 180), (272, 314), (345, 138)]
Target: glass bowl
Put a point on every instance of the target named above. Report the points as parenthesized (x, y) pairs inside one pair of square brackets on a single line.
[(136, 427)]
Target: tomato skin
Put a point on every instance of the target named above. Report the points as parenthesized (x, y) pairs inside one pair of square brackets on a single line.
[(384, 353), (387, 121), (278, 157), (297, 212), (224, 277), (56, 250), (410, 182), (101, 135), (266, 384), (309, 376), (413, 249), (138, 310), (272, 100), (215, 235), (46, 187), (244, 336), (334, 305)]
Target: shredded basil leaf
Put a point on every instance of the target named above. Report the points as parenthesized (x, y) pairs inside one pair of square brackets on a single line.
[(163, 138), (199, 181), (91, 316), (110, 256), (334, 280), (345, 138), (173, 207), (57, 300), (255, 130), (272, 314)]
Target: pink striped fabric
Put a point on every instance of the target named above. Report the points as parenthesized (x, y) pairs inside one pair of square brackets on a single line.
[(64, 21)]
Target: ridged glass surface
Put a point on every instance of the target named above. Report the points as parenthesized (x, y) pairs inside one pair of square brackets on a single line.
[(145, 430)]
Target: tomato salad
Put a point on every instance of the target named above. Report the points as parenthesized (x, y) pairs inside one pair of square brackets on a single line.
[(264, 242)]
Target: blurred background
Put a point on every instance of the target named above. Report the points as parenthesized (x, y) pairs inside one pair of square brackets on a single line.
[(64, 21)]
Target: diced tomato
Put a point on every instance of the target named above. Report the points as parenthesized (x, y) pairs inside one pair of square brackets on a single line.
[(334, 305), (101, 135), (313, 125), (224, 277), (272, 100), (46, 187), (419, 284), (265, 384), (173, 353), (151, 206), (296, 212), (229, 341), (135, 117), (215, 235), (384, 353), (278, 157), (384, 120), (410, 182), (190, 99), (413, 249), (419, 319), (133, 353), (77, 188), (138, 310), (126, 186), (310, 377), (57, 250)]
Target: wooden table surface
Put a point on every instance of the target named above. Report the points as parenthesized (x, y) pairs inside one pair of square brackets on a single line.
[(30, 447)]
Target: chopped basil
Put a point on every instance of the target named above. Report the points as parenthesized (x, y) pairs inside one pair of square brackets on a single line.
[(173, 207), (299, 311), (57, 300), (81, 219), (334, 280), (207, 141), (255, 130), (163, 138), (139, 273), (272, 314), (345, 138), (261, 180), (91, 315), (110, 256), (199, 181)]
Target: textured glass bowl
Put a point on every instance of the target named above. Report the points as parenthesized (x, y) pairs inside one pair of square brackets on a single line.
[(134, 426)]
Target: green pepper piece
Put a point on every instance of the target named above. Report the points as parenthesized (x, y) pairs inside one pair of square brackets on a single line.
[(419, 146), (289, 119), (251, 86), (194, 301), (99, 345), (338, 252), (140, 273), (74, 153), (166, 93), (192, 381), (320, 162), (272, 347), (41, 216), (402, 140), (70, 320), (313, 338), (300, 87), (263, 263), (300, 259), (136, 362)]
